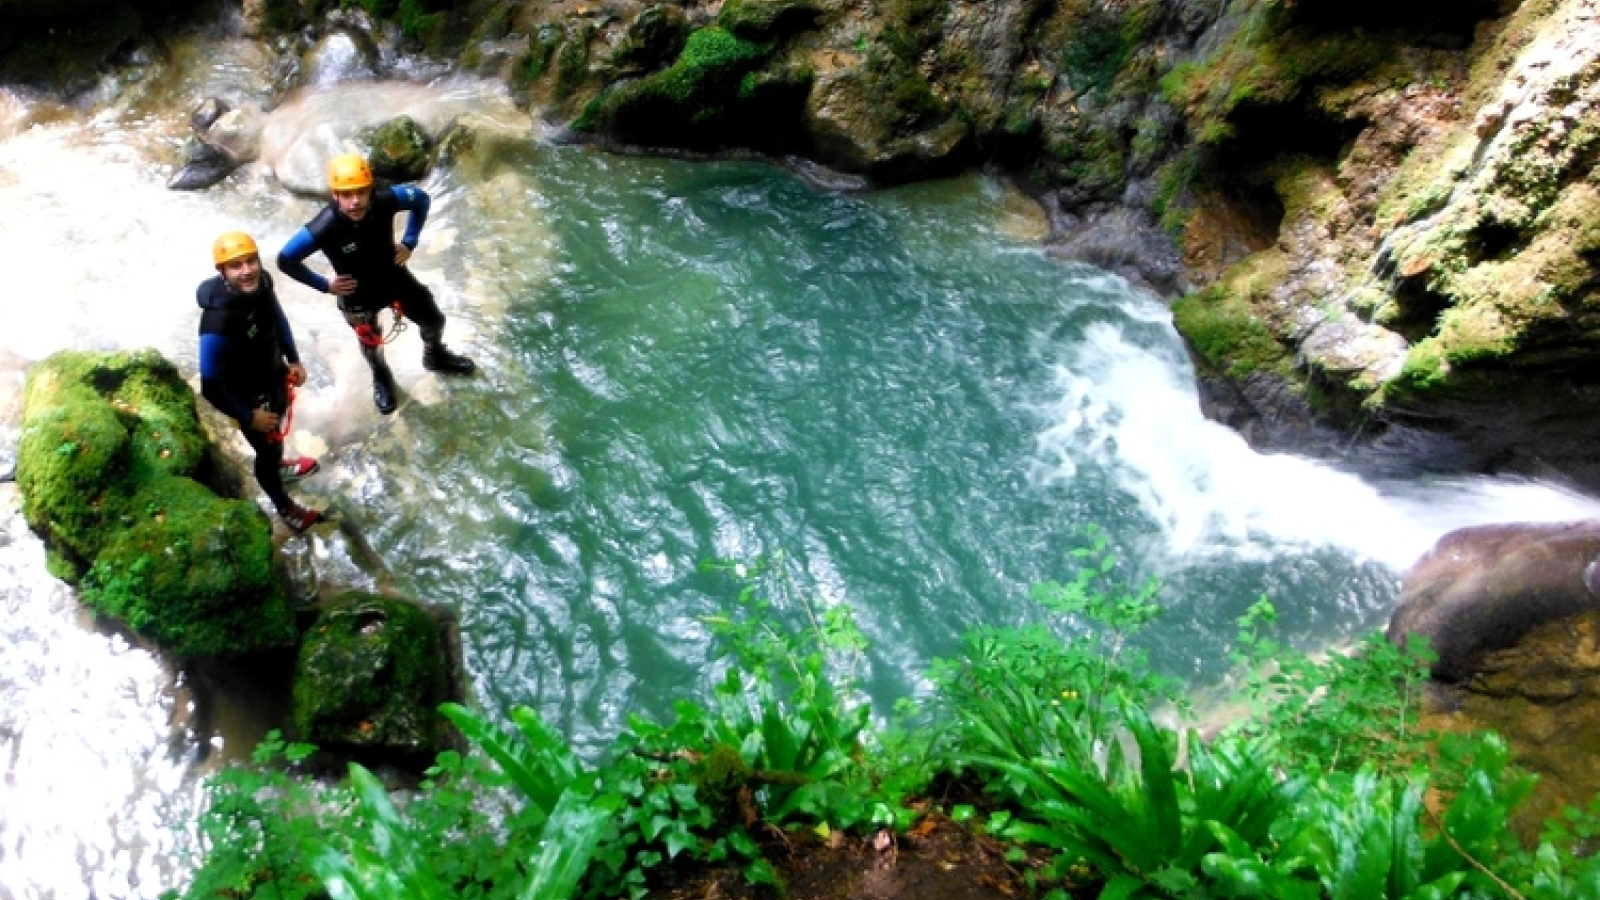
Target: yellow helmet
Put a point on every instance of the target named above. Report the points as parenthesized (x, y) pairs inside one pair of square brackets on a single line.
[(349, 172), (232, 246)]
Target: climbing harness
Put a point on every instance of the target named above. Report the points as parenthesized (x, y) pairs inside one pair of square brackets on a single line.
[(370, 337)]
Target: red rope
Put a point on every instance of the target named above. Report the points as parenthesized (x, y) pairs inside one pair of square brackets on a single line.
[(281, 433)]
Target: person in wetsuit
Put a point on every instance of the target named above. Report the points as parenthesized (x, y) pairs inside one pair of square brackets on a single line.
[(355, 233), (247, 362)]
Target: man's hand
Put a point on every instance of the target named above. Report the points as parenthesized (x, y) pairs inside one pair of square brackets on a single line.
[(342, 285), (402, 253), (297, 374), (264, 420)]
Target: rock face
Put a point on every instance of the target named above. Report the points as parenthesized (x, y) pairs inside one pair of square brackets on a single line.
[(1435, 254), (110, 449), (371, 675), (1514, 612)]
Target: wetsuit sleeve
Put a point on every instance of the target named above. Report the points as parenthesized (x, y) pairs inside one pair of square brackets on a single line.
[(214, 383), (292, 261), (416, 202)]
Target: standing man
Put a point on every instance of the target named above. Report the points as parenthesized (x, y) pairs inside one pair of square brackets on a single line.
[(247, 363), (355, 233)]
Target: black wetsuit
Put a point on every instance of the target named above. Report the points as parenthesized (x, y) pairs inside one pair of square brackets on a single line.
[(245, 349), (365, 250)]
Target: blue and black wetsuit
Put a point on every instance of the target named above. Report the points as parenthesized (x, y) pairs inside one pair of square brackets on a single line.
[(365, 250), (245, 349)]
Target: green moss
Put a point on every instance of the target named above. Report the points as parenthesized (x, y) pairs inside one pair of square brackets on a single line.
[(702, 87), (1223, 326), (714, 50), (1090, 155), (1269, 61), (1175, 182), (541, 50), (722, 772), (652, 40), (192, 572), (372, 672), (1104, 41), (72, 464), (109, 442), (763, 20), (572, 61), (401, 149)]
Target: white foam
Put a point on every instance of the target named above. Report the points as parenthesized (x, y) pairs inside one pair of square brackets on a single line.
[(1132, 412)]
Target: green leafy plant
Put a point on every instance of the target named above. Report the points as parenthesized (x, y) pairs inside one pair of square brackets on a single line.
[(251, 836), (1328, 791), (392, 864), (1025, 692), (789, 702), (1342, 711), (1142, 821)]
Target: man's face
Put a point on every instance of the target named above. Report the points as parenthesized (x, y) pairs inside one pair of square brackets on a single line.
[(353, 204), (242, 274)]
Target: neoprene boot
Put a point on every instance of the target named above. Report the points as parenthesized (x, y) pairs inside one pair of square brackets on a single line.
[(383, 387), (436, 357)]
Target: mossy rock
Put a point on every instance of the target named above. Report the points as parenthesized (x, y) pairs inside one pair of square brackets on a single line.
[(371, 674), (1223, 325), (110, 446), (400, 150), (653, 40), (193, 573), (763, 20), (696, 102), (95, 426), (71, 465)]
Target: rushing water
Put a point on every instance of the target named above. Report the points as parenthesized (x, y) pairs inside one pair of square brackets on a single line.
[(680, 362)]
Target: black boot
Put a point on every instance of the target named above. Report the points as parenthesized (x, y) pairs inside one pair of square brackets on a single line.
[(383, 387), (436, 357)]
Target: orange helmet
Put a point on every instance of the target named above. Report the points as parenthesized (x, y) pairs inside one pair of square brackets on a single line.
[(232, 246), (349, 172)]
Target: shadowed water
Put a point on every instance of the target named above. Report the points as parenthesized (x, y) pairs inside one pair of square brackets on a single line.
[(679, 362)]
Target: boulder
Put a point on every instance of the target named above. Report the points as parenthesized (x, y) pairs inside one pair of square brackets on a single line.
[(1482, 589), (225, 138), (400, 149), (1513, 611), (371, 674), (110, 450)]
